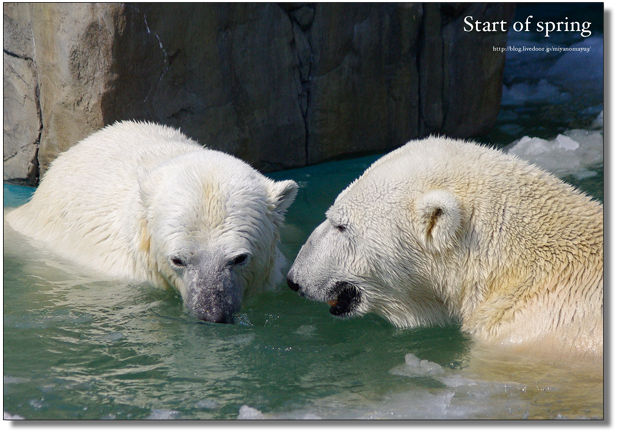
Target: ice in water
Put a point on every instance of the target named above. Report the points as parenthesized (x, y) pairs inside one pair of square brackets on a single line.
[(163, 414), (248, 413), (576, 152), (415, 367)]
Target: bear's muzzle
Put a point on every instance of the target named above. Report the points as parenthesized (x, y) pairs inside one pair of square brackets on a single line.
[(212, 295), (292, 284), (212, 306), (346, 297), (343, 297)]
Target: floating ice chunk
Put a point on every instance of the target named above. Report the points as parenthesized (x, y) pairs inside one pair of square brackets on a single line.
[(8, 416), (248, 413), (567, 143), (528, 146), (415, 367), (423, 365), (457, 381), (412, 360), (414, 404), (163, 414), (576, 152)]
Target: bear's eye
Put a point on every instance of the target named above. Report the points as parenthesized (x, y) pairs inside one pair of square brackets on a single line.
[(341, 228), (239, 259), (177, 261)]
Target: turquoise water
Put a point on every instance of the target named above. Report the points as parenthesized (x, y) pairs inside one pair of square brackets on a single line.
[(78, 346)]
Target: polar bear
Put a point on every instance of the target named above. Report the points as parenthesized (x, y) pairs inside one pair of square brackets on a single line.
[(141, 201), (446, 230)]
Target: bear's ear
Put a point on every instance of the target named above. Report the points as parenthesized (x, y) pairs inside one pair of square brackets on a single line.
[(439, 218), (283, 194)]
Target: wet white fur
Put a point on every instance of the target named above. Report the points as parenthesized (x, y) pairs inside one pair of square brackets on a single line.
[(445, 230), (125, 199)]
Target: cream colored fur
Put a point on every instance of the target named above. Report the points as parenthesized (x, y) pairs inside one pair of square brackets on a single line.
[(445, 230), (130, 197)]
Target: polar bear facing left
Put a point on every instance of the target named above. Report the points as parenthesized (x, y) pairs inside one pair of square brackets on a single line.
[(143, 202), (444, 230)]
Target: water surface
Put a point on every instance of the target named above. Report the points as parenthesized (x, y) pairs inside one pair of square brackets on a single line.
[(80, 346)]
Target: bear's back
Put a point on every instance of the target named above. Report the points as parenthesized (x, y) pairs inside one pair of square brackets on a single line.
[(89, 199), (123, 147)]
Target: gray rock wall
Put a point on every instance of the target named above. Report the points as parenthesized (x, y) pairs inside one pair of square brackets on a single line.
[(278, 85), (22, 128)]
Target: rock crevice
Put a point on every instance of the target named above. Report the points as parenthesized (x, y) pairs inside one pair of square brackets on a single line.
[(277, 85)]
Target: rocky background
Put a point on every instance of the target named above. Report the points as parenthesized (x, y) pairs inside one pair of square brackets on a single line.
[(278, 85)]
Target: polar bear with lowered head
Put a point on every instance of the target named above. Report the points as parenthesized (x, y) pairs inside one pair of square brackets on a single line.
[(445, 230), (141, 201)]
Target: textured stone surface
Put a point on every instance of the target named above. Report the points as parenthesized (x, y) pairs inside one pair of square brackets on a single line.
[(73, 44), (278, 85), (224, 73), (21, 132), (472, 70), (364, 88)]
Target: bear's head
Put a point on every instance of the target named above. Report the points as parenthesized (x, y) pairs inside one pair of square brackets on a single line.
[(445, 230), (210, 228), (379, 248)]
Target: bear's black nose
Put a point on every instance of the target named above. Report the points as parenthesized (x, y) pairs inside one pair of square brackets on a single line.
[(292, 284)]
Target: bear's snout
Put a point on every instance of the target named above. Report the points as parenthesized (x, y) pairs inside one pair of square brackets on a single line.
[(212, 296), (346, 299), (213, 311), (217, 316), (292, 284)]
